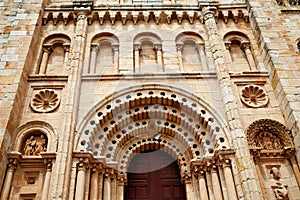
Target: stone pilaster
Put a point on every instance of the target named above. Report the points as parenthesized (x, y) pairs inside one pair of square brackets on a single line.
[(246, 165), (62, 167)]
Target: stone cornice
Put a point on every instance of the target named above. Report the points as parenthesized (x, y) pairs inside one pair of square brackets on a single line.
[(135, 15)]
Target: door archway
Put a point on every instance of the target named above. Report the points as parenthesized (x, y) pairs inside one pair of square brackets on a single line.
[(154, 175)]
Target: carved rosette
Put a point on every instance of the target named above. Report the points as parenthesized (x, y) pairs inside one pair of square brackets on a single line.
[(254, 96), (45, 100)]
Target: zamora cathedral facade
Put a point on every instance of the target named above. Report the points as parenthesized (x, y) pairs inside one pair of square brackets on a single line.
[(150, 99)]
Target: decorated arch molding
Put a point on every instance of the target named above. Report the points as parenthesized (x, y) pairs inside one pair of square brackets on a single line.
[(268, 135), (189, 36), (57, 39), (152, 117)]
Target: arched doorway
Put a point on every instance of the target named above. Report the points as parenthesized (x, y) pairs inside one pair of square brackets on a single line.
[(154, 175)]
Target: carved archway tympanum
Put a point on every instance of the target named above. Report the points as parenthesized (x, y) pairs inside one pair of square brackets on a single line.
[(152, 117)]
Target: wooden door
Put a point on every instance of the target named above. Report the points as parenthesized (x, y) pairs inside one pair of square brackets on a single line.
[(154, 176)]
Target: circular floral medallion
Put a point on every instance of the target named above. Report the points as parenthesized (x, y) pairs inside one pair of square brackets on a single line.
[(46, 100), (254, 96)]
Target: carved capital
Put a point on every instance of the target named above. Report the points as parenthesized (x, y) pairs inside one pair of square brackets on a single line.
[(228, 45), (47, 48), (208, 13), (109, 173), (12, 164), (245, 46), (158, 47), (200, 46), (66, 47), (186, 177), (137, 47), (199, 171), (179, 46), (83, 164), (115, 47)]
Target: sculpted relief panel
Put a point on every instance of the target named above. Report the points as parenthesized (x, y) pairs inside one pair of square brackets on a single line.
[(34, 145)]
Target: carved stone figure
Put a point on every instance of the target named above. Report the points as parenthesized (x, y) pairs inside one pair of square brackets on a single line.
[(280, 191), (275, 172), (35, 145)]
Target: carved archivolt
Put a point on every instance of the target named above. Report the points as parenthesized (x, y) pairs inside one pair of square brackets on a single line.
[(254, 96), (267, 134), (45, 100)]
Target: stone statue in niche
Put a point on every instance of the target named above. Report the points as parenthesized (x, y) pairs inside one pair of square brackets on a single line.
[(275, 172), (35, 145), (266, 140), (280, 191)]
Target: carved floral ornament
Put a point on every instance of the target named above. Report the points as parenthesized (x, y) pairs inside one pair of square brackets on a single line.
[(266, 134), (45, 100), (254, 96)]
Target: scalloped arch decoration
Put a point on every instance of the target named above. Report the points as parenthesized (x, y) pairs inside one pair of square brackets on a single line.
[(149, 117)]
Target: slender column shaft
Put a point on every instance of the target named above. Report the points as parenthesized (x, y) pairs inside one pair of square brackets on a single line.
[(47, 181), (216, 184), (246, 48), (79, 192), (202, 186), (209, 187), (261, 183), (116, 57), (228, 46), (45, 57), (94, 49), (66, 57), (137, 48), (107, 184), (229, 180), (202, 56), (159, 56), (8, 179), (100, 186), (94, 185), (295, 169), (179, 46)]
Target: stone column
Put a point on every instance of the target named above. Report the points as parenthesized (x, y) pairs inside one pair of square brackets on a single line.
[(115, 48), (202, 56), (202, 185), (230, 103), (179, 46), (228, 46), (295, 167), (158, 49), (246, 47), (60, 180), (209, 187), (121, 185), (80, 183), (137, 48), (229, 179), (94, 51), (66, 57), (46, 185), (107, 184), (94, 183), (47, 50), (187, 180), (260, 179), (11, 167), (215, 182), (100, 185)]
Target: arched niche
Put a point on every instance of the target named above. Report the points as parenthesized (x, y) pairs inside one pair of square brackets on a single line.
[(35, 129), (104, 55), (54, 55), (239, 51), (148, 53), (191, 52), (153, 116), (273, 151)]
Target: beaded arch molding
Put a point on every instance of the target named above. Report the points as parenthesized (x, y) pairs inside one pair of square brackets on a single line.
[(152, 117)]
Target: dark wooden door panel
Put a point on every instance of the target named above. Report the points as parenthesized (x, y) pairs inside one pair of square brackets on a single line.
[(156, 177)]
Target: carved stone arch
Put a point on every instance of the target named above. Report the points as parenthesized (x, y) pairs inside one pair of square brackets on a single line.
[(147, 36), (57, 39), (34, 128), (189, 36), (236, 36), (279, 136), (185, 124), (105, 37)]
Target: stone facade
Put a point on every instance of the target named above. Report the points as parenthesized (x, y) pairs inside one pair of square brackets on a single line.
[(86, 85)]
